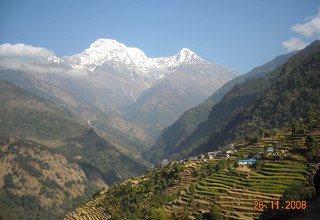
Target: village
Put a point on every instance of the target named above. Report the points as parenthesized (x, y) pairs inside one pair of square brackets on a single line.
[(229, 151)]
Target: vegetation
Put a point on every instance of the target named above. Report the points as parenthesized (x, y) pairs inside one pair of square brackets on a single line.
[(35, 185), (176, 137), (25, 115), (220, 188), (90, 150)]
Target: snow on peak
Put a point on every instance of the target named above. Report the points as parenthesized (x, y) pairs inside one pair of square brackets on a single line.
[(134, 59), (103, 50), (185, 56)]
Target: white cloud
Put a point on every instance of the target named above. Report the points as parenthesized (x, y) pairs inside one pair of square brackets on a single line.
[(22, 50), (294, 44), (308, 29)]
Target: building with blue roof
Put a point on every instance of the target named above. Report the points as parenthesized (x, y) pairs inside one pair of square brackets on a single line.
[(247, 161)]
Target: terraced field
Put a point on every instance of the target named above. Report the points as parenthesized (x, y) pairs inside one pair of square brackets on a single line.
[(91, 210), (232, 190)]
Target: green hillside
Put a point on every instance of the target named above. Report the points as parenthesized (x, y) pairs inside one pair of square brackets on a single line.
[(36, 132), (219, 188), (293, 90), (283, 95), (175, 135), (28, 116), (90, 150), (125, 136)]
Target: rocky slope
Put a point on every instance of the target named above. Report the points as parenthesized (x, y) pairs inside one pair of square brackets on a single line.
[(37, 182)]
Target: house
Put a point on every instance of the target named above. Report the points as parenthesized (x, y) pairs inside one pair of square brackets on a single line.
[(192, 158), (247, 162), (222, 155), (231, 151), (270, 150), (164, 162), (211, 155)]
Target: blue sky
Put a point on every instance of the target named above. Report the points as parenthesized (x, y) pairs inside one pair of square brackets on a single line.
[(238, 34)]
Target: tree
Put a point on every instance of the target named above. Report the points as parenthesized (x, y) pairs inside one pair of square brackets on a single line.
[(313, 148)]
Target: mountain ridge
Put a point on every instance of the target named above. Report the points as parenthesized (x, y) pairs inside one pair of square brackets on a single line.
[(176, 134)]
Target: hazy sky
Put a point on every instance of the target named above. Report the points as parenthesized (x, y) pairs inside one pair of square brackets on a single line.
[(238, 34)]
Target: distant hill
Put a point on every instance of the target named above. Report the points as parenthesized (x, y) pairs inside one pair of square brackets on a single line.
[(186, 86), (175, 136), (28, 116), (91, 150), (126, 136)]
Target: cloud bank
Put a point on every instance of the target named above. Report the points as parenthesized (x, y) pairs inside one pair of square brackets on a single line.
[(294, 44), (309, 28), (23, 50)]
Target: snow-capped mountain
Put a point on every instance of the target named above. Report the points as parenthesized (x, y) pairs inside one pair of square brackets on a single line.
[(111, 76), (104, 50), (110, 51)]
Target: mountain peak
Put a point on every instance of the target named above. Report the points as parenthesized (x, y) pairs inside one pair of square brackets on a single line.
[(186, 55), (103, 41), (107, 45), (109, 50), (186, 50)]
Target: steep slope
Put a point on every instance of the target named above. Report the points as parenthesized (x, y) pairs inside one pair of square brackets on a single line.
[(178, 132), (286, 94), (40, 88), (36, 182), (219, 188), (122, 133), (90, 150), (186, 86), (126, 136), (26, 116)]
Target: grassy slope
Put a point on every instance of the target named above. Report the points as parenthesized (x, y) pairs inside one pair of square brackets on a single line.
[(217, 187)]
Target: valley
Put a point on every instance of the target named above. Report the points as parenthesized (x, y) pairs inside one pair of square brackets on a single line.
[(259, 144), (72, 107), (105, 139)]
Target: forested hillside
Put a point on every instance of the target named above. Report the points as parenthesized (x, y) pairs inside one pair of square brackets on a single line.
[(221, 188), (174, 136), (49, 159), (293, 91), (283, 95)]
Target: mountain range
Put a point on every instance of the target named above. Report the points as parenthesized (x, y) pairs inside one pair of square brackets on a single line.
[(96, 111), (100, 111), (120, 81)]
